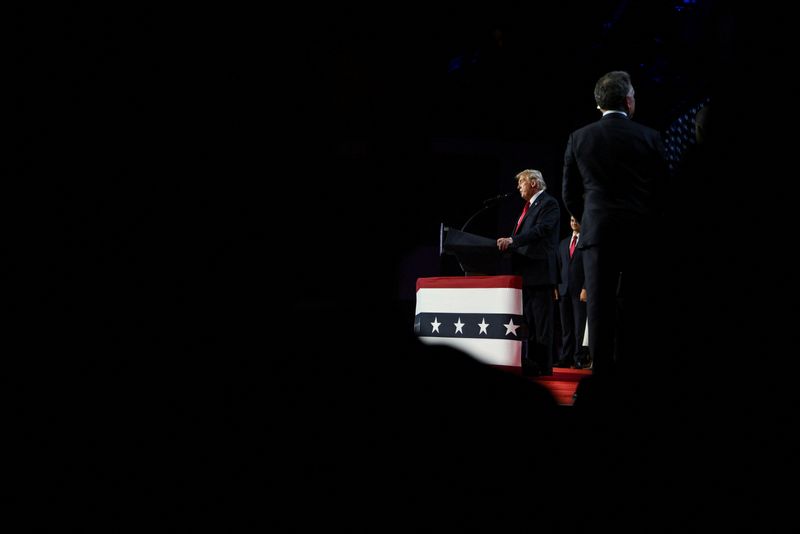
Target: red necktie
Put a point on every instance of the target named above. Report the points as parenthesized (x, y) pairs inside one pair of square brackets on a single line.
[(572, 245), (524, 211)]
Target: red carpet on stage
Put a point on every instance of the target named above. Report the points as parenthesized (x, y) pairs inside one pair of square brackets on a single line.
[(562, 384)]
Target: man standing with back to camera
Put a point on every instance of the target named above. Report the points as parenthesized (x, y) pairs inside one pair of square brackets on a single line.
[(614, 174)]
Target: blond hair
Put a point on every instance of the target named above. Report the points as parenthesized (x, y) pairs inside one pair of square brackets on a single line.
[(532, 175)]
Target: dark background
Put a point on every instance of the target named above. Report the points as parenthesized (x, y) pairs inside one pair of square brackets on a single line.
[(205, 147), (414, 116), (164, 166), (172, 177)]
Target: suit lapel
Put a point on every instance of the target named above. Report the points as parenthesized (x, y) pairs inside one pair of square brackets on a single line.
[(534, 208), (531, 213)]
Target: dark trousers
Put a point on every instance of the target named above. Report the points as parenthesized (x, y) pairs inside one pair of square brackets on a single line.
[(538, 304), (620, 284), (573, 326)]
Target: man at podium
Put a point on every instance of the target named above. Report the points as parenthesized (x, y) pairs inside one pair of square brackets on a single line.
[(535, 239)]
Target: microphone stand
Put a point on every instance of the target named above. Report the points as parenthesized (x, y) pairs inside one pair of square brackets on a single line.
[(486, 205), (484, 208)]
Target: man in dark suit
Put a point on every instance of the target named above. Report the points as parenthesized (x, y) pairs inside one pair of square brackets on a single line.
[(535, 239), (614, 174), (572, 301)]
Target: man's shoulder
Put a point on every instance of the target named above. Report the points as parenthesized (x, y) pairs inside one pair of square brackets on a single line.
[(547, 197), (616, 122), (586, 128), (644, 128), (594, 128)]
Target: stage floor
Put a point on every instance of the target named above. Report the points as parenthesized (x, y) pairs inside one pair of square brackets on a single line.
[(562, 384)]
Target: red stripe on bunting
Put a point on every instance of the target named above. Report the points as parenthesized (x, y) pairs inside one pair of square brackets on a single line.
[(470, 282)]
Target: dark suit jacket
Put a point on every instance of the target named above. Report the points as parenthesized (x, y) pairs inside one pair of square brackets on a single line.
[(536, 243), (614, 175), (571, 269)]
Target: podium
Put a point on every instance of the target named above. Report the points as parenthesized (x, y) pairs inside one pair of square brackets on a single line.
[(476, 254), (479, 315)]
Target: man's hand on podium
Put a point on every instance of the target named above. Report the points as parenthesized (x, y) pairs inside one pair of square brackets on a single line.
[(504, 242)]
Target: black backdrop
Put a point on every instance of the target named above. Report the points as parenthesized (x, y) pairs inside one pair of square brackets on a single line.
[(173, 177), (431, 113)]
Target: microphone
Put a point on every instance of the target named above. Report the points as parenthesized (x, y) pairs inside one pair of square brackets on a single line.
[(499, 197)]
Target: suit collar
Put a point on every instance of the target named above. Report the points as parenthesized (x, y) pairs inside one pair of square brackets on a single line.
[(536, 199)]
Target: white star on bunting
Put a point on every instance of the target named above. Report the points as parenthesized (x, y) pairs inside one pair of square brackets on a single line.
[(459, 326), (483, 324), (511, 328), (435, 324)]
